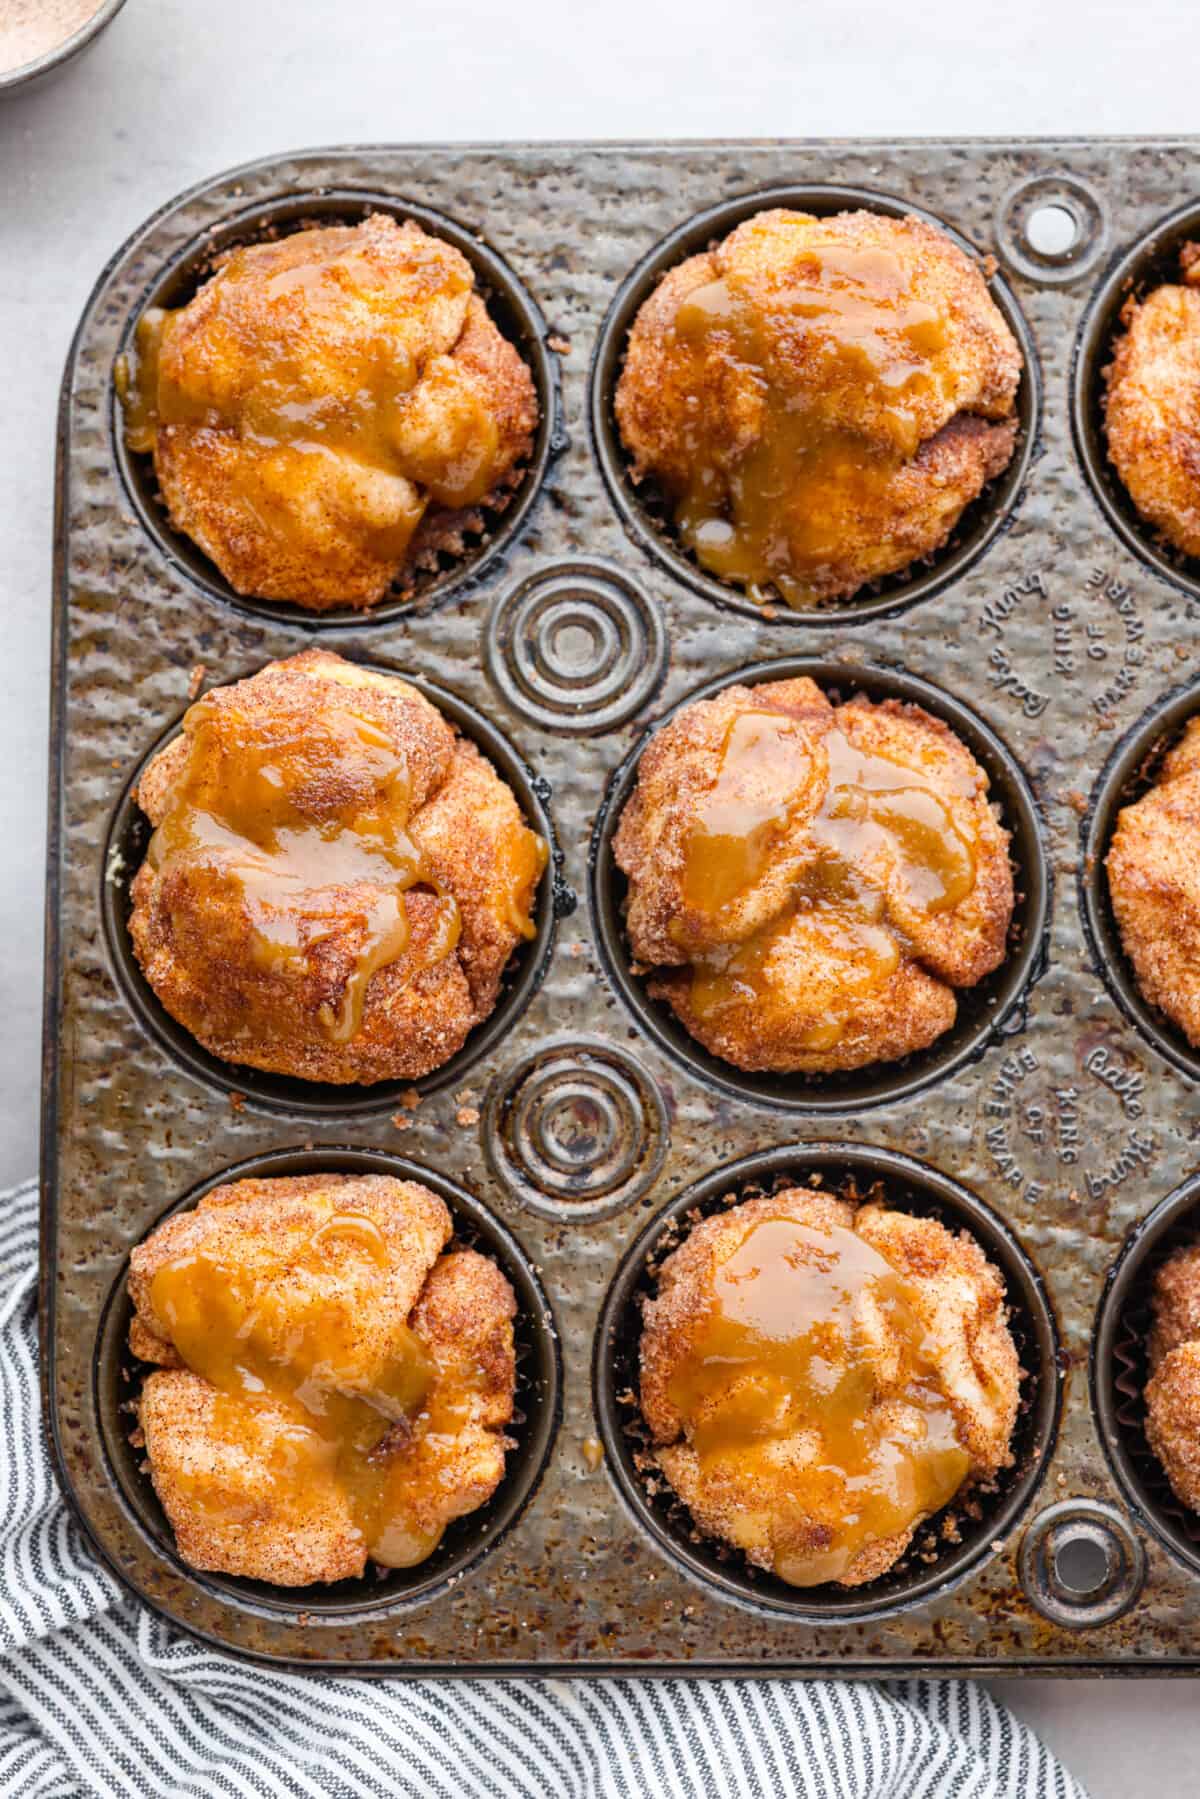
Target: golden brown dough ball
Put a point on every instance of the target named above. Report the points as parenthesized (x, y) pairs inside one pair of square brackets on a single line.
[(1153, 869), (1152, 405), (1173, 1389), (330, 411), (333, 1383), (809, 884), (819, 1376), (336, 880), (819, 399)]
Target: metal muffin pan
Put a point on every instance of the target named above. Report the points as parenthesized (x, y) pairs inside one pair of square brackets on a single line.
[(1052, 1124)]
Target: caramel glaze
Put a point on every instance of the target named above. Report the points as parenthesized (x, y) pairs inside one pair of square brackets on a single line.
[(878, 820), (242, 810), (136, 376), (222, 1321), (790, 1348), (863, 327)]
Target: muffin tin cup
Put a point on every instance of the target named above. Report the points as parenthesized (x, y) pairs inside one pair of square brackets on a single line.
[(1119, 1371), (933, 1565), (985, 1013), (513, 311), (574, 1114), (1128, 774), (644, 512), (1149, 262), (129, 835), (117, 1375)]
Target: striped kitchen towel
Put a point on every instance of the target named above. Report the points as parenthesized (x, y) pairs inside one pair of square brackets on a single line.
[(98, 1697)]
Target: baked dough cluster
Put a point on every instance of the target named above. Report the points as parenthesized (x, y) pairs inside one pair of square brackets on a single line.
[(819, 399), (819, 1376), (1173, 1389), (331, 411), (1153, 868), (336, 880), (809, 883), (1152, 404), (333, 1384)]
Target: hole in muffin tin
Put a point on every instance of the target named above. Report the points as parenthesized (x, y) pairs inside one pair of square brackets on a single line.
[(1129, 773), (1080, 1564), (1147, 264), (117, 1375), (128, 837), (1119, 1371), (512, 310), (1052, 229), (934, 1562), (994, 1008), (644, 510)]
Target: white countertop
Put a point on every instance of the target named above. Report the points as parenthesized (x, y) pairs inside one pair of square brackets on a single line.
[(178, 90)]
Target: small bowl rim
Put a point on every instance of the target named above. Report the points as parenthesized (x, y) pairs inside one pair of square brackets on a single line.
[(62, 53)]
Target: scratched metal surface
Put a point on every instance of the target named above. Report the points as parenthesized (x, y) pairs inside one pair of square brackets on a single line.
[(1072, 1129)]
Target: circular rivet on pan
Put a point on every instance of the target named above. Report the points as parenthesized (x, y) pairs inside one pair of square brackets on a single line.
[(1052, 229), (576, 647), (1080, 1564), (576, 1129)]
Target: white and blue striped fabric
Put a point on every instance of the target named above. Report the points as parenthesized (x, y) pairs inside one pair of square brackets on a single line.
[(98, 1697)]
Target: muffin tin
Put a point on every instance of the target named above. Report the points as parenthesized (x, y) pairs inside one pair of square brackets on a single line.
[(579, 1128)]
